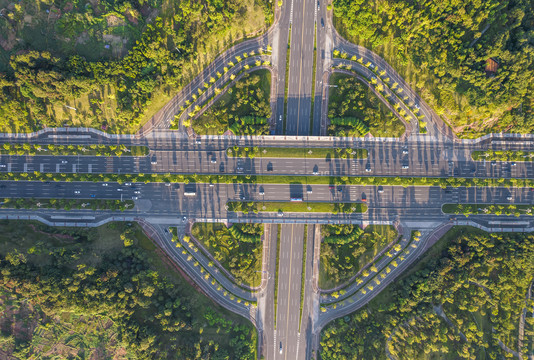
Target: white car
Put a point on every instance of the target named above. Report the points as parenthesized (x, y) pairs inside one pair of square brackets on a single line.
[(104, 184), (64, 161), (127, 184), (119, 189), (368, 169), (167, 184), (405, 166), (77, 192), (2, 166), (137, 192), (509, 198), (134, 197)]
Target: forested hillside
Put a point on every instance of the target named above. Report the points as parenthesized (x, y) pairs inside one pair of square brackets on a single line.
[(465, 300), (105, 293), (109, 64), (471, 60)]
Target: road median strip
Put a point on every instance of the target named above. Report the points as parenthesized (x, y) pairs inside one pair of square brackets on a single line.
[(443, 182), (290, 152), (304, 206), (502, 155), (69, 150), (66, 204), (488, 209)]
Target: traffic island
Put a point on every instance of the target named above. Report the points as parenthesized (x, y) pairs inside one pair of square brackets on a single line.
[(347, 251), (488, 209), (238, 249), (295, 207)]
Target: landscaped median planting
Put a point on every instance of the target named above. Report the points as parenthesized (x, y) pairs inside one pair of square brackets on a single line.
[(66, 204), (269, 179), (503, 155), (488, 209), (87, 150), (289, 152), (297, 206)]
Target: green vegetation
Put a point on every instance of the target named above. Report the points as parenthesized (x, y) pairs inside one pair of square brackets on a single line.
[(354, 110), (238, 248), (105, 292), (312, 153), (271, 179), (305, 206), (94, 149), (418, 44), (244, 109), (478, 281), (66, 204), (488, 209), (503, 155), (110, 65), (346, 249)]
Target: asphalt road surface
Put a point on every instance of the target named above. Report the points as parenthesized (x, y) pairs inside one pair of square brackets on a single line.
[(287, 339), (301, 67)]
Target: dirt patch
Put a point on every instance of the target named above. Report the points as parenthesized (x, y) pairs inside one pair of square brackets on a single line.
[(132, 16), (8, 43), (477, 126), (19, 321), (55, 236), (114, 21), (83, 38), (117, 43), (68, 7)]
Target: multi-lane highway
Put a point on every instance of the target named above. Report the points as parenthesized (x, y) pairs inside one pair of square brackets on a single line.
[(418, 157), (289, 330), (300, 67)]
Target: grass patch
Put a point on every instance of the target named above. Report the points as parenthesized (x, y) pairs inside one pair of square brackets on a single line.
[(243, 109), (343, 255), (310, 153), (238, 249), (488, 209), (274, 206)]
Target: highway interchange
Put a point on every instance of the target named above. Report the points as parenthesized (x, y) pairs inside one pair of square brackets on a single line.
[(292, 333)]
